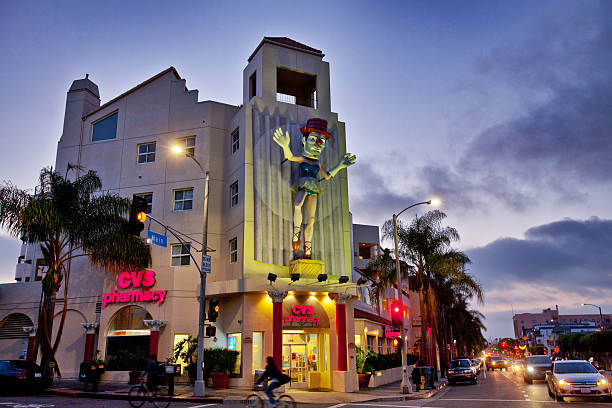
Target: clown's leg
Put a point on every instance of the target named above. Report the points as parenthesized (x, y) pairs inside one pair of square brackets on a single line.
[(311, 209), (298, 202)]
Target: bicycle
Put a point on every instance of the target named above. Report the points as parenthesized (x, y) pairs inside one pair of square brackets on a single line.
[(140, 393), (257, 400)]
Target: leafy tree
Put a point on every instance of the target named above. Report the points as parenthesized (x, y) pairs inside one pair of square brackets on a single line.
[(69, 219), (538, 349)]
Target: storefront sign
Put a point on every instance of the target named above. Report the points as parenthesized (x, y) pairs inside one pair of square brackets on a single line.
[(302, 314), (392, 332), (302, 311), (136, 279)]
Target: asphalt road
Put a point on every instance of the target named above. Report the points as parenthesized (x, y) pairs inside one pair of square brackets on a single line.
[(494, 390)]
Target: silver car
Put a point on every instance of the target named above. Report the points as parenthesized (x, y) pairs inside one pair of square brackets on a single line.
[(576, 378)]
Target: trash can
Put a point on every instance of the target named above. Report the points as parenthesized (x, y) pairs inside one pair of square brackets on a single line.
[(417, 378), (262, 386), (428, 375)]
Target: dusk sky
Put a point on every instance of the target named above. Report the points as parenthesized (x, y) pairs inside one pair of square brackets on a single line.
[(501, 109)]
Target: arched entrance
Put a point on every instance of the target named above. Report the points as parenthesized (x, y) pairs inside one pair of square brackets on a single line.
[(127, 339), (13, 339)]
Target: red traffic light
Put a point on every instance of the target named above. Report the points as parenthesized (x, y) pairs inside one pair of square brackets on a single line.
[(397, 314)]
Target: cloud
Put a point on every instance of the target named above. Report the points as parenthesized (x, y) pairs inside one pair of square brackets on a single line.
[(560, 138), (565, 262)]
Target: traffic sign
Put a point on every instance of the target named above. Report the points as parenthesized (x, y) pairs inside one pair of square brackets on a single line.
[(157, 239), (205, 263)]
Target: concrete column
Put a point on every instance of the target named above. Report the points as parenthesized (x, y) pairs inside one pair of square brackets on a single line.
[(90, 332), (341, 330), (154, 326), (277, 325), (31, 353)]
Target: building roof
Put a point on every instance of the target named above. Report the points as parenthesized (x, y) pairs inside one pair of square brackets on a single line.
[(362, 314), (85, 84), (287, 43), (148, 81)]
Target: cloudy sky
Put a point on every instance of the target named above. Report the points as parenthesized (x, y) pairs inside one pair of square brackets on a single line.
[(502, 109)]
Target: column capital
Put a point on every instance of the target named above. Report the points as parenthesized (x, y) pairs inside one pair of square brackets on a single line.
[(154, 325), (277, 295), (340, 298), (31, 330), (90, 327)]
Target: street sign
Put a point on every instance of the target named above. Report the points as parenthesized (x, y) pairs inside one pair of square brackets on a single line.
[(157, 239), (205, 263)]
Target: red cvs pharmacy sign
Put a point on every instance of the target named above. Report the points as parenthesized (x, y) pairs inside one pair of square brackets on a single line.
[(135, 279), (302, 314)]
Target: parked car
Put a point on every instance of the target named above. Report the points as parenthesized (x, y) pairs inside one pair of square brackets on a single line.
[(536, 367), (477, 363), (576, 378), (461, 370), (496, 362), (20, 376)]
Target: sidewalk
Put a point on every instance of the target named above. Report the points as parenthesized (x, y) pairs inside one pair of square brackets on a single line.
[(184, 393)]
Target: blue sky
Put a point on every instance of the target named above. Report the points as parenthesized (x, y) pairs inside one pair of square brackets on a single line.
[(500, 108)]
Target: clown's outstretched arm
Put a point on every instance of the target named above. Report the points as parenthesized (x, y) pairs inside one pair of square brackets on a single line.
[(283, 140), (346, 161)]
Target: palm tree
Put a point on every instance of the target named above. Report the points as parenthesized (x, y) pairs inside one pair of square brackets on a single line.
[(69, 219), (381, 270), (421, 244)]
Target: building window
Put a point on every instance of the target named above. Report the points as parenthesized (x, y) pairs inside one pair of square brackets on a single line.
[(148, 197), (180, 254), (380, 345), (235, 140), (234, 342), (106, 128), (258, 351), (358, 341), (253, 85), (187, 144), (296, 87), (365, 250), (370, 341), (183, 199), (234, 194), (233, 247), (146, 153)]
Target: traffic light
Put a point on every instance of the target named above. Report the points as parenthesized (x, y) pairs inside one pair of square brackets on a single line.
[(397, 313), (397, 342), (138, 215), (213, 309), (210, 331)]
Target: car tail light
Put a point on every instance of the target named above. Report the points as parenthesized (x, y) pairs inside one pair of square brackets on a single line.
[(23, 374)]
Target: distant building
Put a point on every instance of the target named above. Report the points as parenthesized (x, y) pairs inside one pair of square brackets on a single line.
[(525, 323), (548, 334)]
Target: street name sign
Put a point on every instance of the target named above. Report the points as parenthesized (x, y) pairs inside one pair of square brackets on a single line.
[(157, 239), (205, 263)]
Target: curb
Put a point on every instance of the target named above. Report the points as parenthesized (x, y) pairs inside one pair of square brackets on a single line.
[(412, 396), (124, 397)]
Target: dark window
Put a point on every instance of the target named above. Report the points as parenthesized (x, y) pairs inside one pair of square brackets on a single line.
[(235, 140), (253, 85), (234, 194), (146, 153), (180, 255), (295, 87), (106, 128), (148, 197), (233, 246), (183, 199), (365, 250)]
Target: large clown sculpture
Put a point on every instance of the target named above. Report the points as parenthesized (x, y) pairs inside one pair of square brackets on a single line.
[(307, 187)]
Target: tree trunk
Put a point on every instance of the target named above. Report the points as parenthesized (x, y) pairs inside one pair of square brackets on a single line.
[(423, 348)]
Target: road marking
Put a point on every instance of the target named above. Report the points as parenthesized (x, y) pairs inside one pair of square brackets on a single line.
[(205, 405), (337, 406), (383, 405)]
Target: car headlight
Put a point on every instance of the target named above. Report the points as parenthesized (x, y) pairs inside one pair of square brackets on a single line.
[(493, 363), (531, 370), (563, 382), (603, 381)]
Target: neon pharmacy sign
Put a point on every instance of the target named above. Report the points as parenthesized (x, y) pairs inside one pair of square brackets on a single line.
[(144, 279), (302, 314)]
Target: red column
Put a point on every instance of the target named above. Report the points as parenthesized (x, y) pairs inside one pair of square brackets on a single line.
[(31, 353), (89, 343), (154, 341), (277, 325), (341, 331)]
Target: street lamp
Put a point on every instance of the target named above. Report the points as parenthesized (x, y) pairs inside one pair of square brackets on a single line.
[(198, 387), (405, 386), (600, 315)]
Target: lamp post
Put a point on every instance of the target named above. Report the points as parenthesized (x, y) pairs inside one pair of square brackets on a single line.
[(199, 386), (405, 386), (601, 326)]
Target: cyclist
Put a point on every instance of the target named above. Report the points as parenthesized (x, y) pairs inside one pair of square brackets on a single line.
[(276, 379), (152, 372)]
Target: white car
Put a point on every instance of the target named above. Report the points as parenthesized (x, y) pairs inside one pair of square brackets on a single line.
[(576, 378)]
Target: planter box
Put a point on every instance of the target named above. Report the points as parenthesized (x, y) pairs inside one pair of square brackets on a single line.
[(386, 377)]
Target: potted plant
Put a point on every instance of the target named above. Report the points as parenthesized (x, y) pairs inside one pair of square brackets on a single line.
[(218, 364), (364, 369), (187, 350)]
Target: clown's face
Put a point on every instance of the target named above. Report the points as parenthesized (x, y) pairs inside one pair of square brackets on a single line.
[(314, 144)]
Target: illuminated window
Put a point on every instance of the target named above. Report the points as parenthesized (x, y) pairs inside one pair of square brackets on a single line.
[(105, 129), (148, 197), (146, 153), (233, 247), (183, 199), (234, 342), (177, 339), (258, 351), (188, 144), (234, 194), (235, 140), (365, 250), (358, 340), (180, 254)]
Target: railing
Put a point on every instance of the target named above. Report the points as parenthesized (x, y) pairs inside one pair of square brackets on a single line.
[(291, 99)]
